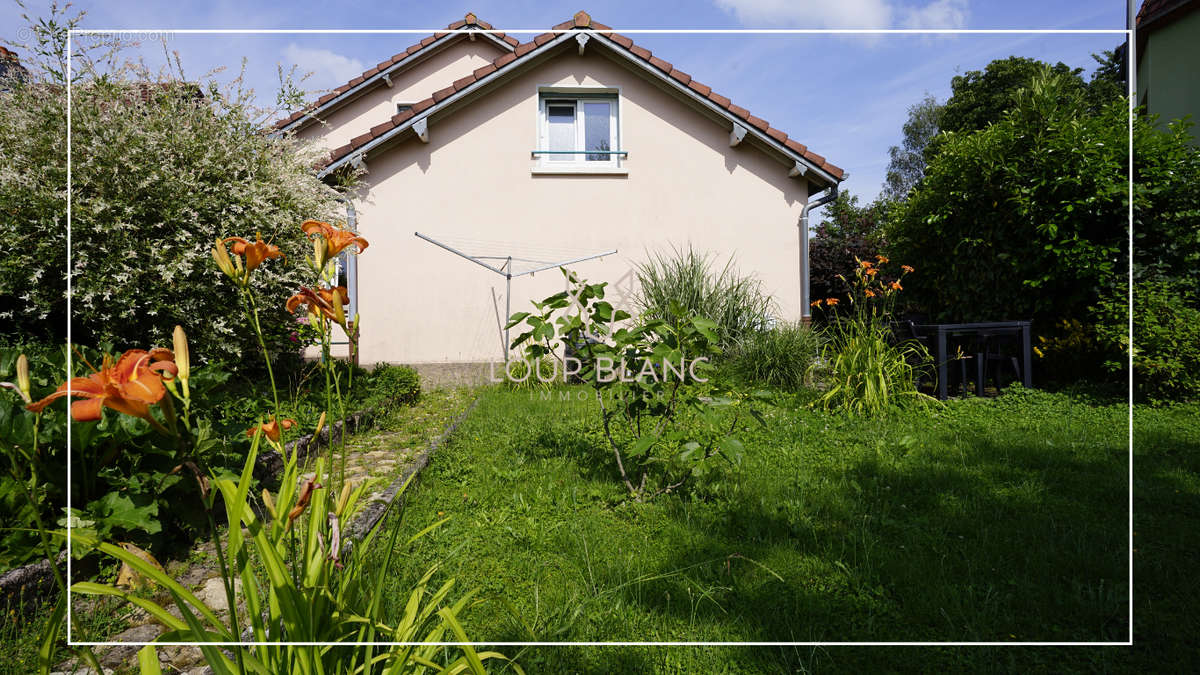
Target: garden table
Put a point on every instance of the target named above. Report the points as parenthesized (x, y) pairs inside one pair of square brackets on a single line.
[(940, 334)]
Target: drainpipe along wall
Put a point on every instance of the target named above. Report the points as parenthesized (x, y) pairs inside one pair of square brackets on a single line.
[(829, 196)]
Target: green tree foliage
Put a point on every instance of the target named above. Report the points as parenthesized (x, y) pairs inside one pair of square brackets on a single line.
[(848, 232), (907, 161), (161, 167), (981, 97), (1026, 217)]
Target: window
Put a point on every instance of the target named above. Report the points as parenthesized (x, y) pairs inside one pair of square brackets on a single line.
[(579, 131), (403, 108)]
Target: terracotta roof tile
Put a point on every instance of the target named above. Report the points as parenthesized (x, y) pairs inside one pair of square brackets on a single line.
[(371, 72), (580, 20), (439, 36), (357, 81), (381, 129), (427, 41), (326, 99), (796, 147), (718, 99), (621, 40), (700, 88), (484, 25), (457, 24)]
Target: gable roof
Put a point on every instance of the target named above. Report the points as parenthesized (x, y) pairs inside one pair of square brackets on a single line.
[(385, 69), (581, 28)]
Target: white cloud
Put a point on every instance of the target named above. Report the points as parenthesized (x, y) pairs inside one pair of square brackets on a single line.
[(937, 14), (328, 68), (847, 13)]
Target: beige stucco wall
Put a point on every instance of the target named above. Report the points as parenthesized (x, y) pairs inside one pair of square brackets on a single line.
[(473, 179), (413, 84)]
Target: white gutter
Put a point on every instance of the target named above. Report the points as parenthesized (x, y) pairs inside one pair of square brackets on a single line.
[(829, 196)]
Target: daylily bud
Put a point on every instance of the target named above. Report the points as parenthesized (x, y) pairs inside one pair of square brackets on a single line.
[(320, 253), (23, 377), (339, 315), (182, 357), (320, 425), (344, 498), (221, 256), (269, 503)]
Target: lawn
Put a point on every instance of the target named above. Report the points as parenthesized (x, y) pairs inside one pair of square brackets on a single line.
[(985, 520)]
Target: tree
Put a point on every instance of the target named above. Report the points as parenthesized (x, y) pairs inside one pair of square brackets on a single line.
[(907, 164), (1025, 218), (981, 97)]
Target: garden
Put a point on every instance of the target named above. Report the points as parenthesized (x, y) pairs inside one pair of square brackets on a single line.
[(690, 469)]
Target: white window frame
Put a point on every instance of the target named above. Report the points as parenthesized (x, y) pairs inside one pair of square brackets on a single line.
[(579, 163)]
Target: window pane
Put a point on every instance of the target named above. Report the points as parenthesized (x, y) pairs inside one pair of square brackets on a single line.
[(561, 121), (597, 130)]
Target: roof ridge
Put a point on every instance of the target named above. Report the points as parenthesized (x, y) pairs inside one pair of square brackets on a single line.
[(583, 21), (467, 21)]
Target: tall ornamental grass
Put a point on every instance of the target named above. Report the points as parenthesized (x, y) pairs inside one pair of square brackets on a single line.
[(735, 303), (781, 356)]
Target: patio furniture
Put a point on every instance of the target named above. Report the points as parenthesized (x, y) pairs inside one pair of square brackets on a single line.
[(988, 337)]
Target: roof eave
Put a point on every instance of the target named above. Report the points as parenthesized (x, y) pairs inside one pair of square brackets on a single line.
[(408, 61)]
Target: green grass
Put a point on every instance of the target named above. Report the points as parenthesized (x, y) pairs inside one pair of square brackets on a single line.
[(986, 520)]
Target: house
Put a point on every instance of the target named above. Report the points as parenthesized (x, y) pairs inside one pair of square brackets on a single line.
[(1168, 51), (573, 143)]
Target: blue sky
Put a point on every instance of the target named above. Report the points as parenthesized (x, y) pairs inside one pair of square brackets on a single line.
[(846, 97)]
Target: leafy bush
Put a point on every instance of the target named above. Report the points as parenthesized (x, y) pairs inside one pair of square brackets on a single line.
[(161, 166), (688, 278), (1025, 218), (779, 357), (1166, 339), (847, 233), (399, 384)]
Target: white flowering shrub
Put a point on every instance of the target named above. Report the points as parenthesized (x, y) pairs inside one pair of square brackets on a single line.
[(160, 167)]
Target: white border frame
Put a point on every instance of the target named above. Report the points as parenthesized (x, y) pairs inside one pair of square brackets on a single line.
[(1131, 65)]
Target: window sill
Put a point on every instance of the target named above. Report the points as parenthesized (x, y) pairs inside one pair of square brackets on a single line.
[(593, 170)]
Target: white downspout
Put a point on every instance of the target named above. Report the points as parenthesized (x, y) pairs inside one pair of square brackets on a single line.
[(830, 195)]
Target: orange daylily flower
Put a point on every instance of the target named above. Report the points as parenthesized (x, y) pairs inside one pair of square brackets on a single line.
[(870, 293), (272, 429), (302, 501), (130, 386), (815, 303), (831, 301), (255, 252), (865, 263), (872, 272), (906, 268), (895, 286), (325, 302), (882, 259), (335, 239)]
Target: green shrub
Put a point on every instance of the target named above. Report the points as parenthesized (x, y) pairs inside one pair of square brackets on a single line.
[(161, 167), (778, 357), (399, 384), (1166, 339), (689, 278)]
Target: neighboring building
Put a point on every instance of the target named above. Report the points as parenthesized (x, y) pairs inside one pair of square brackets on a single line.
[(11, 68), (572, 142), (1168, 59)]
